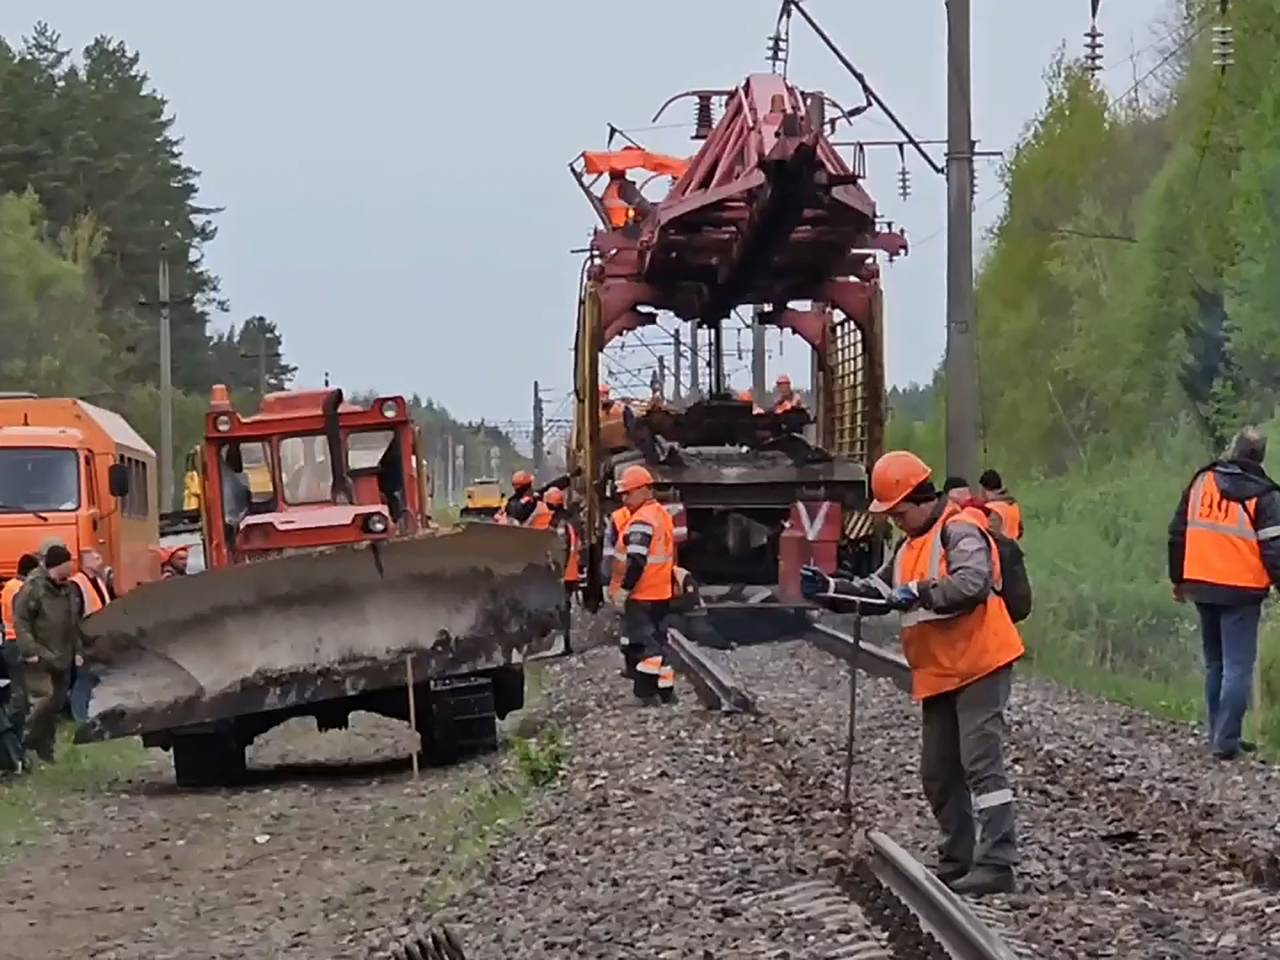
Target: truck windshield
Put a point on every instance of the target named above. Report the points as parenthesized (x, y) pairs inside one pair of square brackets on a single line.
[(38, 480), (305, 469)]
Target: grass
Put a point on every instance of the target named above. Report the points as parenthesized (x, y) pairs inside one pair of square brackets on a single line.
[(30, 803)]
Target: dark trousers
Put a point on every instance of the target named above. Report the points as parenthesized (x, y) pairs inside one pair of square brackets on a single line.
[(1230, 639), (47, 690), (644, 635), (962, 767)]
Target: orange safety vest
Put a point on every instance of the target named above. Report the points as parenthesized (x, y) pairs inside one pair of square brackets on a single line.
[(94, 599), (1221, 543), (660, 562), (7, 595), (1010, 517), (573, 561), (618, 556), (541, 518), (616, 209), (949, 651)]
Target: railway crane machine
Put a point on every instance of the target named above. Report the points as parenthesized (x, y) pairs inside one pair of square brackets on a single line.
[(767, 214)]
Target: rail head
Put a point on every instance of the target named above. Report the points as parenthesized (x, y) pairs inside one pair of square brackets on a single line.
[(715, 688), (869, 657), (941, 912)]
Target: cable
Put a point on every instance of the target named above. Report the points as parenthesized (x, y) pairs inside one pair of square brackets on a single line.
[(1160, 63)]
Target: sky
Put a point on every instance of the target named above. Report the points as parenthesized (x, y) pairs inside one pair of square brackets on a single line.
[(394, 173)]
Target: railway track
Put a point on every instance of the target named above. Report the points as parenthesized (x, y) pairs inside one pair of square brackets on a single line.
[(883, 903)]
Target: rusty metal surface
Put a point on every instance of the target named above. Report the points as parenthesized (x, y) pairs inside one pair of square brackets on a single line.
[(709, 675), (871, 658), (317, 626)]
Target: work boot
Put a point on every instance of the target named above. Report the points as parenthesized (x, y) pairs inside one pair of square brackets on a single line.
[(983, 880), (950, 871)]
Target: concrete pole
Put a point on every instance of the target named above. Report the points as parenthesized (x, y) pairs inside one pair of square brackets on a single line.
[(759, 374), (677, 388), (963, 401), (166, 388), (693, 360)]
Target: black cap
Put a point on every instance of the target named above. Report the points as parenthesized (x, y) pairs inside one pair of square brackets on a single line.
[(56, 556)]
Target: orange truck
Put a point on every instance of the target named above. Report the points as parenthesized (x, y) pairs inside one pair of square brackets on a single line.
[(79, 473)]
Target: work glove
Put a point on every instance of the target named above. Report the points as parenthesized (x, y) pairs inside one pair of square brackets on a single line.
[(619, 598), (904, 597), (814, 582)]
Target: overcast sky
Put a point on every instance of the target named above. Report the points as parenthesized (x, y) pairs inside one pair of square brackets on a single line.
[(395, 186)]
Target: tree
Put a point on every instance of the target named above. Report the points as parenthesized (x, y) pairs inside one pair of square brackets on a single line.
[(238, 356)]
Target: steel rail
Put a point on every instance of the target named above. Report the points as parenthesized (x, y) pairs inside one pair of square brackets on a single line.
[(871, 658), (940, 911), (714, 686)]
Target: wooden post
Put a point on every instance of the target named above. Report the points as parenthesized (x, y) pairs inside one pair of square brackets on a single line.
[(413, 712)]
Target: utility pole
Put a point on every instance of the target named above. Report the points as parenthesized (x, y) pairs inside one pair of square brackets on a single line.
[(759, 352), (538, 452), (449, 460), (262, 356), (166, 386), (677, 389), (694, 392), (963, 401)]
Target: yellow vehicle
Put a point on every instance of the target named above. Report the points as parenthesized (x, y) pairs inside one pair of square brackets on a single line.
[(256, 469), (483, 499)]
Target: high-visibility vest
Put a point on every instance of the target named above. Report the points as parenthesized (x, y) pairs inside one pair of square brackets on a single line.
[(93, 590), (573, 560), (947, 651), (660, 555), (541, 517), (615, 542), (1010, 517), (8, 594), (616, 209), (1222, 546)]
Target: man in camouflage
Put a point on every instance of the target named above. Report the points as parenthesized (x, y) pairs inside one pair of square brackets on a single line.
[(47, 615)]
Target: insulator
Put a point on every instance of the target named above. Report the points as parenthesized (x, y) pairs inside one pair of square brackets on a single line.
[(1224, 45), (973, 182), (703, 119), (904, 175), (739, 344), (776, 52), (1093, 49)]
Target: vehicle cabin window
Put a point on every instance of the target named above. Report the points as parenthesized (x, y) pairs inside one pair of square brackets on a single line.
[(137, 503), (39, 480), (366, 448), (305, 469), (90, 481), (246, 478)]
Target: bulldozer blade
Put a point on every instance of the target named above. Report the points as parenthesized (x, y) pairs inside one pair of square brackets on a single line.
[(309, 627)]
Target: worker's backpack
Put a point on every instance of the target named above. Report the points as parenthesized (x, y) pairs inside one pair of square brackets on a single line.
[(1015, 586)]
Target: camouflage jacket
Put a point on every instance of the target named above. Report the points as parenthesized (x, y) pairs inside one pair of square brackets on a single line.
[(47, 619)]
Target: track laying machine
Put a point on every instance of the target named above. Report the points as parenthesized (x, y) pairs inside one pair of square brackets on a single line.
[(768, 215)]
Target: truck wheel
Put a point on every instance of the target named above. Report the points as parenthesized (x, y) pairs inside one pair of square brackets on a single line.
[(208, 760)]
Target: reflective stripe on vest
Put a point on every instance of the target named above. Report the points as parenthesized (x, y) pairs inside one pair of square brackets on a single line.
[(949, 651), (1222, 546), (656, 581)]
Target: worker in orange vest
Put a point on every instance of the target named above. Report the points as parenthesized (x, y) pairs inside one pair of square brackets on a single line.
[(523, 508), (13, 695), (613, 564), (961, 644), (26, 563), (1006, 513), (1224, 556), (95, 592), (563, 525), (785, 398), (645, 590)]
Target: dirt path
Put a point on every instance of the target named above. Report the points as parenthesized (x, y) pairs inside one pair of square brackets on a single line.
[(306, 861)]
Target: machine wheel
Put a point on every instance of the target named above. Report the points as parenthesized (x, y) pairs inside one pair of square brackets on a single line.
[(508, 690), (463, 723), (208, 759)]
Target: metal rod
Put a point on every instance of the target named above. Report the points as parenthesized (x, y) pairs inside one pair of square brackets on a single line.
[(166, 387), (413, 713), (963, 402), (866, 87), (846, 806)]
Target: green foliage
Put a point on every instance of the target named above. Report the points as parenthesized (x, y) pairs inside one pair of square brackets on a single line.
[(540, 761)]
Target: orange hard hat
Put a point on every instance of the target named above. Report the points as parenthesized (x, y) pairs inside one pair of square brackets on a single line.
[(894, 476), (633, 478), (784, 380), (522, 478), (554, 497), (744, 396)]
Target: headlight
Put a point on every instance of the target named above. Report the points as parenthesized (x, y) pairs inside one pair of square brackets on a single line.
[(390, 409), (376, 523), (223, 423)]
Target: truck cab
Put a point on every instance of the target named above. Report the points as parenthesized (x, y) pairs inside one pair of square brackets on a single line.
[(328, 473)]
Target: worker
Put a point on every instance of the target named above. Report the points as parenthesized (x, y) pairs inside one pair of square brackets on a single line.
[(957, 490), (174, 562), (563, 525), (618, 211), (47, 615), (961, 645), (746, 396), (1006, 515), (1224, 556), (26, 563), (523, 508), (95, 592), (785, 398), (613, 563), (645, 591)]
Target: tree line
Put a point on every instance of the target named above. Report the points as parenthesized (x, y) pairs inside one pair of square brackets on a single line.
[(1128, 290), (94, 190)]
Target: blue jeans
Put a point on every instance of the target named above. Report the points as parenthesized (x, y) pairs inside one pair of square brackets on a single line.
[(1230, 638)]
